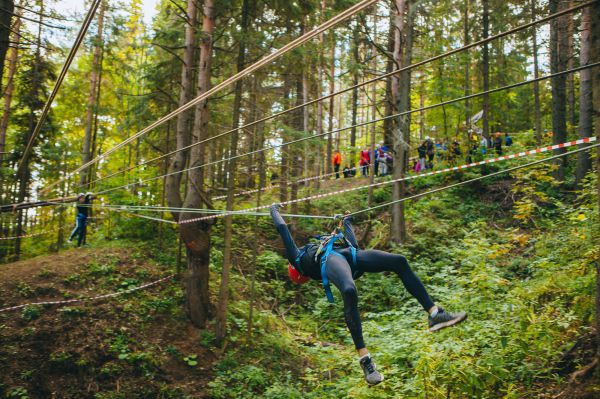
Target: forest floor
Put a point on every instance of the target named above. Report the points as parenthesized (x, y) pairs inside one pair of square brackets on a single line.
[(132, 346)]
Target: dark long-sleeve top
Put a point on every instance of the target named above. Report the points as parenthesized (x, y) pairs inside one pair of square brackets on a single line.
[(85, 207), (309, 266)]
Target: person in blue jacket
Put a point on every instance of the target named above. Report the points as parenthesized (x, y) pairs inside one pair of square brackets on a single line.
[(339, 260), (83, 209)]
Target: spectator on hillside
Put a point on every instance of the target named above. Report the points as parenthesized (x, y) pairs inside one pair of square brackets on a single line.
[(483, 145), (347, 172), (508, 140), (337, 162), (430, 152), (365, 161), (498, 143), (422, 150)]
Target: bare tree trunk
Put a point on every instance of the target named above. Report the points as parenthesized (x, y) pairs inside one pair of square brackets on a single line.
[(558, 62), (584, 164), (355, 72), (536, 84), (197, 235), (570, 77), (319, 121), (182, 132), (401, 99), (221, 322), (13, 57), (91, 109), (485, 66)]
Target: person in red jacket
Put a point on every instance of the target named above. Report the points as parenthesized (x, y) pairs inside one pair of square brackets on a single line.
[(365, 161), (337, 161)]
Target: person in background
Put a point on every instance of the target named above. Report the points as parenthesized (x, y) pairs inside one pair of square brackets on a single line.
[(346, 172), (383, 164), (337, 162), (498, 143), (83, 210), (375, 156), (508, 140), (430, 152), (422, 150), (365, 161), (417, 166), (483, 145)]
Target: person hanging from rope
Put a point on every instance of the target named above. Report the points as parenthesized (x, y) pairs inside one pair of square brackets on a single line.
[(83, 209), (339, 260)]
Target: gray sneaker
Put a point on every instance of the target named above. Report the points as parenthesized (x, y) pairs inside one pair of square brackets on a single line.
[(372, 376), (445, 319)]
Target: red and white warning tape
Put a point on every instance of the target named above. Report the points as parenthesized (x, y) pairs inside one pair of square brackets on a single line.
[(93, 298), (446, 170)]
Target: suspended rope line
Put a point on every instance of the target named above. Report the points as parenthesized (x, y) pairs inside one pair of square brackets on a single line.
[(409, 67), (78, 40), (274, 146), (446, 170), (475, 179), (93, 298), (26, 235), (227, 82)]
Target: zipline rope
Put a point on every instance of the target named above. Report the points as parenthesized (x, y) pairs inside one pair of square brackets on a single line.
[(409, 67), (141, 181), (93, 298), (226, 83), (78, 40), (452, 169)]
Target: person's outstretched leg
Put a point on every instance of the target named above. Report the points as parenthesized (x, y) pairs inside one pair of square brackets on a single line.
[(374, 261), (340, 275), (75, 230)]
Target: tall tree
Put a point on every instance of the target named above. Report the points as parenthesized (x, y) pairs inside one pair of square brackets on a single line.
[(485, 68), (221, 322), (92, 106), (536, 84), (558, 62), (182, 132), (584, 163), (7, 8), (13, 57), (400, 89)]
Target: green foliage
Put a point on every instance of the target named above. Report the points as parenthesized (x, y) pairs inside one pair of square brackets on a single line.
[(31, 312), (18, 393)]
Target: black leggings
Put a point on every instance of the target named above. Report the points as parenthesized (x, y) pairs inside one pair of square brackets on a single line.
[(370, 261)]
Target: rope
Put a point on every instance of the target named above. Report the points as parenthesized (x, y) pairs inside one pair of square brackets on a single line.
[(25, 235), (227, 82), (474, 179), (446, 170), (141, 181), (78, 40), (93, 298), (409, 67)]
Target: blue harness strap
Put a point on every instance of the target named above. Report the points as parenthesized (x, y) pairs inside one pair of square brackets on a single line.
[(327, 251), (298, 259)]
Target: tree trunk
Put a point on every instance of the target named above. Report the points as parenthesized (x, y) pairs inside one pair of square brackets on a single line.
[(328, 165), (7, 8), (466, 40), (401, 100), (595, 57), (91, 110), (570, 77), (485, 69), (558, 62), (584, 164), (536, 84), (221, 322), (197, 235), (13, 57), (355, 72), (182, 132)]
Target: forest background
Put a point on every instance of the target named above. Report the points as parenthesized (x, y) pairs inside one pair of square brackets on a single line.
[(521, 246)]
